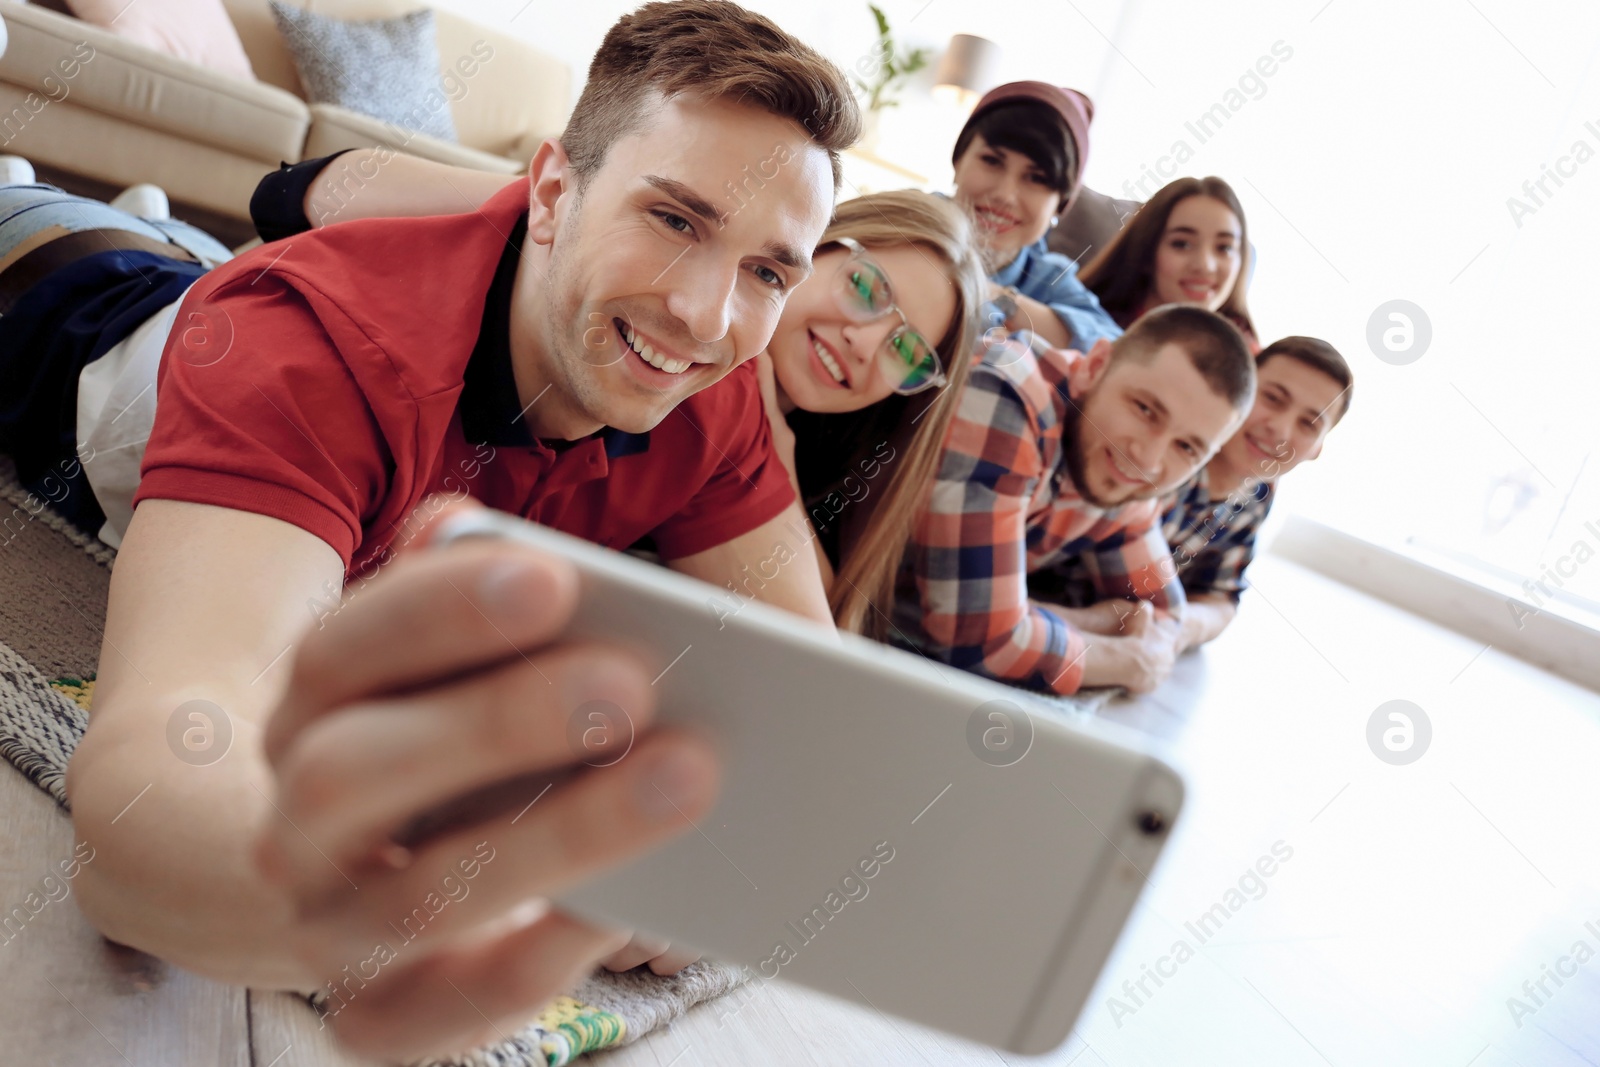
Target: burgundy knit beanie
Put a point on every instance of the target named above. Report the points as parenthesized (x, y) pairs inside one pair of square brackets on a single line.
[(1075, 109)]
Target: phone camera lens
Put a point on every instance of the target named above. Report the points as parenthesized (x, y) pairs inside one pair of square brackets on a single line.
[(1152, 822)]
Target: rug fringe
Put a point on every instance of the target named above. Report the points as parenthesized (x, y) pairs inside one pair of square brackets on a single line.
[(39, 725)]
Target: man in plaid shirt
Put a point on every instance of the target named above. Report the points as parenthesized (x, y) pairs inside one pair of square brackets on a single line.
[(1054, 454), (1303, 389)]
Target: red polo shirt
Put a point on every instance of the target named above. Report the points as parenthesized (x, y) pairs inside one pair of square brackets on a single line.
[(333, 379)]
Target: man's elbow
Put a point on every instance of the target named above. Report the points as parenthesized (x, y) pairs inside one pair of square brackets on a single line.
[(94, 837), (103, 785)]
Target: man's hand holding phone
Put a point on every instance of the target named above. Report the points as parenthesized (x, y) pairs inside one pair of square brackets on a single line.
[(448, 675)]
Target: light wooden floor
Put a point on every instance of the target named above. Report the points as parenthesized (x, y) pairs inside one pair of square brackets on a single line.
[(1417, 899)]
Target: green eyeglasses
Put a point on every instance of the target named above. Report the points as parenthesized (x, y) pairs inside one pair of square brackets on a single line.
[(862, 290)]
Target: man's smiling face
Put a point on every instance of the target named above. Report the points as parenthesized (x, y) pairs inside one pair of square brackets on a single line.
[(1143, 425), (1296, 405), (671, 266)]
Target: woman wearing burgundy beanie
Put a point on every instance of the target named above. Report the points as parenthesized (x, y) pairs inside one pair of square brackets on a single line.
[(1018, 162)]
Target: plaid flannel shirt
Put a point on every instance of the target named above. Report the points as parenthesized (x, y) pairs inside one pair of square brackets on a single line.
[(1213, 541), (1002, 506)]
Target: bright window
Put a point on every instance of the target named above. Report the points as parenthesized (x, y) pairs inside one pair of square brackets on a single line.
[(1446, 154)]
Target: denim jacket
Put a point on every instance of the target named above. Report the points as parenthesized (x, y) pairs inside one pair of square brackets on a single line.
[(1052, 279)]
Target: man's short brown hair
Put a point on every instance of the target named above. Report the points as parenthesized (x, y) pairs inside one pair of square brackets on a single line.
[(715, 50), (1214, 345), (1319, 355)]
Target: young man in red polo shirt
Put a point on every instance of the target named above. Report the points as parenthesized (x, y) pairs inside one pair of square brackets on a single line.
[(567, 352)]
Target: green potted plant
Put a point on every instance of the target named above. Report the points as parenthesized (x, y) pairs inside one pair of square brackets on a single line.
[(881, 73)]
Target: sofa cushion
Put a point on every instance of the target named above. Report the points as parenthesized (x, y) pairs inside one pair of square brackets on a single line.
[(508, 88), (385, 68), (1089, 224), (196, 30), (502, 89), (86, 141), (65, 61)]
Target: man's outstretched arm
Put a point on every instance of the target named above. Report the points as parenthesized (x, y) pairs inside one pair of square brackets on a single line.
[(203, 601), (440, 676)]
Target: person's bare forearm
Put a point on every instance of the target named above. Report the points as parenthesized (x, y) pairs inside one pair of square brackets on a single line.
[(171, 873), (1204, 617), (1042, 320), (382, 183), (1104, 661)]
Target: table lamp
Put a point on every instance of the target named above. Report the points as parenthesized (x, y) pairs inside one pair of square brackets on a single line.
[(966, 70)]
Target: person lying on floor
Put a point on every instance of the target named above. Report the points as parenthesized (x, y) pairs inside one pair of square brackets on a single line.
[(1303, 390), (858, 391), (1056, 454), (571, 352)]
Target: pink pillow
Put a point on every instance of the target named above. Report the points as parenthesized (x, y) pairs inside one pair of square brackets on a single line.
[(196, 30)]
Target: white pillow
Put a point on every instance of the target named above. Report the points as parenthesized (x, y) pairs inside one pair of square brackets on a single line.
[(196, 30)]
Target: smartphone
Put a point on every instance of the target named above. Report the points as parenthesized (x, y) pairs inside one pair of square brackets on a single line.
[(890, 830)]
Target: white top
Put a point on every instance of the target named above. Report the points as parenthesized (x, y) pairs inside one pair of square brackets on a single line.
[(116, 409)]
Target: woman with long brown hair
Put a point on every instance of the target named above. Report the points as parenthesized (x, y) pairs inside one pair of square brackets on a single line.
[(1187, 245)]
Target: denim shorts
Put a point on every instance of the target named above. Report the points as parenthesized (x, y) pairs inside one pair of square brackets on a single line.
[(25, 210), (69, 313)]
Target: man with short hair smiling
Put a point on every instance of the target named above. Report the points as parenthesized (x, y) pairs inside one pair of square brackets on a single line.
[(569, 351), (1303, 390), (1055, 454)]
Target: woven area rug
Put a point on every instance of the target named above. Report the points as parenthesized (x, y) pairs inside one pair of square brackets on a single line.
[(53, 583)]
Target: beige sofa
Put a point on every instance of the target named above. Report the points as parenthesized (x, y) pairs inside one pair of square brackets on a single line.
[(127, 113)]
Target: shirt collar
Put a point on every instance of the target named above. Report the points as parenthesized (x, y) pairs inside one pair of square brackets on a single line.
[(490, 411)]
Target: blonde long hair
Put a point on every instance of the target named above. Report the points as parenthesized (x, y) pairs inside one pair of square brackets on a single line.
[(829, 448)]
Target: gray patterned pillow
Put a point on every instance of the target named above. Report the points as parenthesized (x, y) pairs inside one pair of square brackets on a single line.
[(386, 68)]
